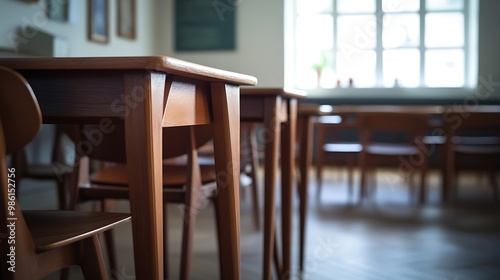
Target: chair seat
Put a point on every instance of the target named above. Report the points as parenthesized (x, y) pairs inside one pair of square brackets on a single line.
[(54, 229), (173, 175), (434, 140), (391, 150), (477, 150), (343, 148)]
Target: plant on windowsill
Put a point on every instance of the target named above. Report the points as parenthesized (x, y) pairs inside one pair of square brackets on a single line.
[(320, 66)]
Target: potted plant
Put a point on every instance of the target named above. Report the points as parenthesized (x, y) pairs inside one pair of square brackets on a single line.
[(318, 67)]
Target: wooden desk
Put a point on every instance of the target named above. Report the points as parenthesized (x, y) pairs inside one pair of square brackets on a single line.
[(276, 108), (147, 93)]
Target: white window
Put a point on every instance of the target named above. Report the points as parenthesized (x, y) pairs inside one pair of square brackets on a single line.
[(382, 43)]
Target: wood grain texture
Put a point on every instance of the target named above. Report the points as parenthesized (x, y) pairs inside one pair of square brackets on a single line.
[(159, 63), (271, 144), (226, 110), (180, 96), (143, 132)]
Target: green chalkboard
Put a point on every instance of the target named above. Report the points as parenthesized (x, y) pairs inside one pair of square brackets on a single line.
[(204, 25)]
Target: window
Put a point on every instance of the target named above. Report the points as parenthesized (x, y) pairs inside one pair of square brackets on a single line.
[(381, 43)]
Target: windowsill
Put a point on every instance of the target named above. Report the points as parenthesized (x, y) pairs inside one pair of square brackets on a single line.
[(405, 95)]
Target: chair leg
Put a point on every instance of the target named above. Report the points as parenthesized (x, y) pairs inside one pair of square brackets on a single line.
[(254, 157), (110, 242), (320, 158), (276, 256), (350, 164), (110, 248), (217, 226), (91, 260), (190, 207), (64, 274), (423, 185), (493, 182), (62, 197), (364, 175)]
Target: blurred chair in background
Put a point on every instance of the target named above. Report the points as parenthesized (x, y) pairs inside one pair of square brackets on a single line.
[(473, 137), (410, 152)]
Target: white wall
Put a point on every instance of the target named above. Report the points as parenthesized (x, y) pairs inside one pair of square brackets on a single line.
[(15, 14), (259, 35), (259, 40)]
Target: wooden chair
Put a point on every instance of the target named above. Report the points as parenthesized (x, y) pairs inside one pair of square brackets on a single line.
[(410, 152), (182, 183), (475, 137), (57, 170), (349, 149), (45, 241)]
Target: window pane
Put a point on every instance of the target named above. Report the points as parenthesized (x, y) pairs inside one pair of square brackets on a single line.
[(401, 30), (319, 6), (444, 68), (444, 30), (360, 66), (314, 32), (391, 6), (358, 32), (310, 47), (403, 66), (355, 6), (442, 5)]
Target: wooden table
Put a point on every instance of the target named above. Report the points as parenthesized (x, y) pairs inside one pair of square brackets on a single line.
[(148, 93), (276, 108)]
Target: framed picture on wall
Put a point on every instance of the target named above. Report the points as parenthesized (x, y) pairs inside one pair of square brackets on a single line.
[(58, 10), (126, 19), (98, 21)]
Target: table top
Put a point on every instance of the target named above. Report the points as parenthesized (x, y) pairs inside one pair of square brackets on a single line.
[(424, 109), (284, 92), (159, 63), (313, 109)]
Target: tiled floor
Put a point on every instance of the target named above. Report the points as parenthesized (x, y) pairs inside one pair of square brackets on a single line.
[(386, 238)]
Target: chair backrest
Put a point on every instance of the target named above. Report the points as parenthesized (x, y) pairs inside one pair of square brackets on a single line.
[(414, 125), (474, 120), (19, 110), (20, 122), (473, 128)]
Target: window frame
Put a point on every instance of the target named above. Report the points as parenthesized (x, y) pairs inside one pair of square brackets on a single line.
[(469, 48)]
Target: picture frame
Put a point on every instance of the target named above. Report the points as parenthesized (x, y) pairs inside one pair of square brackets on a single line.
[(127, 24), (58, 10), (98, 21)]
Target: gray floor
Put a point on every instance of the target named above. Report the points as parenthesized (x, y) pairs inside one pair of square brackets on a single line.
[(387, 237)]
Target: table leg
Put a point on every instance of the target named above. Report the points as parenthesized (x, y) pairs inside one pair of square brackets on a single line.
[(143, 133), (226, 127), (271, 141), (287, 168), (305, 164)]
